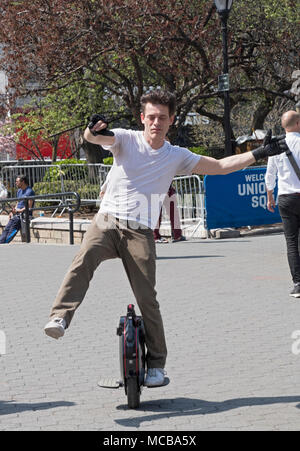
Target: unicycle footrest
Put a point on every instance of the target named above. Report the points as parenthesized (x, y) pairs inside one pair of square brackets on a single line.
[(110, 382)]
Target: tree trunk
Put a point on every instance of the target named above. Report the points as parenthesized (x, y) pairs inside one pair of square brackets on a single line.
[(261, 112), (94, 153), (54, 149)]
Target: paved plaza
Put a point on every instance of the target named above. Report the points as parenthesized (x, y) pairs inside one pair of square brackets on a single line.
[(228, 318)]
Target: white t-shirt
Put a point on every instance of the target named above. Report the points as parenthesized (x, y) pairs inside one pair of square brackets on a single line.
[(280, 166), (141, 176)]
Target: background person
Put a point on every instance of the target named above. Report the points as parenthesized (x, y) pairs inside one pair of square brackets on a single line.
[(15, 216), (280, 167)]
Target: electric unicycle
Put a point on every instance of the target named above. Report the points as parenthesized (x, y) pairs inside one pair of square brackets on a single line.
[(131, 334)]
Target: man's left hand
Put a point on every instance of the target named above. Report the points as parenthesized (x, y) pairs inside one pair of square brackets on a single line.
[(276, 147), (271, 147)]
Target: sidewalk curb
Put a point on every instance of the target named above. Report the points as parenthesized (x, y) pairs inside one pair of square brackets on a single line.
[(264, 231), (218, 234)]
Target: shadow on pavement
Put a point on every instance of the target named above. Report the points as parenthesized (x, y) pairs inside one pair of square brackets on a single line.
[(10, 407), (178, 407)]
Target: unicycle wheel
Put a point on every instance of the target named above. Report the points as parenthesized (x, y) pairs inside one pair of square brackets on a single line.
[(133, 393)]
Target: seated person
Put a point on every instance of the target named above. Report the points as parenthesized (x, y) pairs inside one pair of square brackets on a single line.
[(15, 216)]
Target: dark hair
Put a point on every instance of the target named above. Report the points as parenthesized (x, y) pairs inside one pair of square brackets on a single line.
[(159, 97), (23, 178)]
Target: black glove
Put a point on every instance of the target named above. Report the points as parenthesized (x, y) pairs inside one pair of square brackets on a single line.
[(270, 147), (93, 121), (268, 138)]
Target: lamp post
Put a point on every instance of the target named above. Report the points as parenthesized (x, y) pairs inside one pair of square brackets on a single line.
[(223, 8)]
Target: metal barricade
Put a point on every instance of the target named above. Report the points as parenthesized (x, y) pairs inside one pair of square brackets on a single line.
[(85, 179), (190, 202)]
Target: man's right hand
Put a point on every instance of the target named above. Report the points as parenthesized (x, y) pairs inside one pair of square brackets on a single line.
[(271, 204), (12, 213), (98, 125)]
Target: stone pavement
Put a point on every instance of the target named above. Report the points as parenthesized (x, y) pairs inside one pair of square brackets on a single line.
[(229, 323)]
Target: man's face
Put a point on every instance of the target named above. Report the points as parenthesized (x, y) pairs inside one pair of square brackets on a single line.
[(156, 120), (19, 183)]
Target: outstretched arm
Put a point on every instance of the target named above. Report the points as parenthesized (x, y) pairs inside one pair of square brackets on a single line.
[(211, 166)]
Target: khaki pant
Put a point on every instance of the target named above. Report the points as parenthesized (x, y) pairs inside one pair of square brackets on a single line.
[(106, 238)]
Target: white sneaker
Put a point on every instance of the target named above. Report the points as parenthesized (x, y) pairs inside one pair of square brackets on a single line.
[(55, 328), (155, 377)]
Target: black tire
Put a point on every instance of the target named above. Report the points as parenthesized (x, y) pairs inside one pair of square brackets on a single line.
[(133, 393)]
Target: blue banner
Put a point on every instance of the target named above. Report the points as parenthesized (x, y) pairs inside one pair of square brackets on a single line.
[(238, 199)]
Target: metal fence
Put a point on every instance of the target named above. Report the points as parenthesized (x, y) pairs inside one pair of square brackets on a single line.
[(23, 163), (190, 202), (86, 180)]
